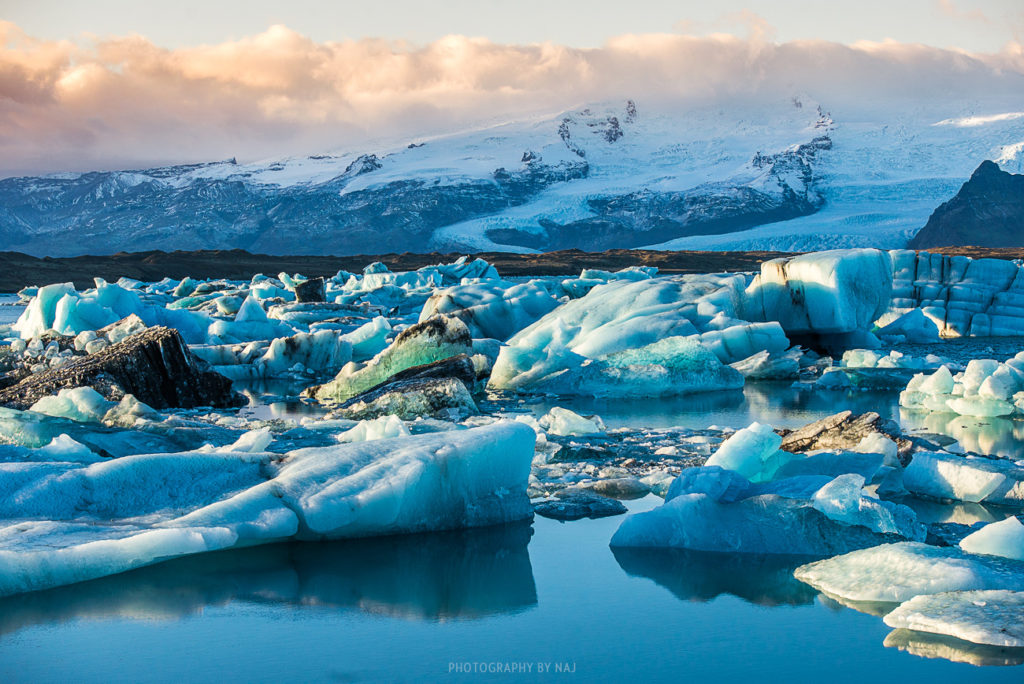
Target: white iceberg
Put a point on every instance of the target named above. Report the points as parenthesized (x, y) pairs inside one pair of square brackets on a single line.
[(894, 573), (492, 309), (1004, 538), (982, 617), (624, 335), (941, 475), (561, 421), (838, 291)]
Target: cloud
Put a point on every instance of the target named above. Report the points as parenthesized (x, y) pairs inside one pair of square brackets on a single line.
[(950, 9), (124, 102)]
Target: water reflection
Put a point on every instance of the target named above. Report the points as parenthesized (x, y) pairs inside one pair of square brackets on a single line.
[(962, 513), (703, 575), (465, 574), (990, 436), (776, 402), (948, 648)]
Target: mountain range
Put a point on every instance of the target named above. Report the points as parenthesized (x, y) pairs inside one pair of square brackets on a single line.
[(782, 175)]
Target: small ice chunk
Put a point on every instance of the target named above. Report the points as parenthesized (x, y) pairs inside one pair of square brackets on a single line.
[(753, 452), (1004, 538), (383, 427), (80, 404), (251, 442), (981, 617), (877, 443), (561, 421)]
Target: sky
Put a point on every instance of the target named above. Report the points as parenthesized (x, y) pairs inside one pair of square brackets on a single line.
[(113, 84)]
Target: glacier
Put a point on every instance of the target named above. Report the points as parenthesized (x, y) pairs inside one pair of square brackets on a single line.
[(788, 173)]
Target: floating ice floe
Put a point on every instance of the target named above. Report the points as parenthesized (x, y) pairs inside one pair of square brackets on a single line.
[(1004, 538), (868, 358), (985, 388), (894, 573), (435, 339), (560, 421), (941, 475), (68, 522), (590, 278), (61, 308), (982, 617), (736, 503), (492, 310)]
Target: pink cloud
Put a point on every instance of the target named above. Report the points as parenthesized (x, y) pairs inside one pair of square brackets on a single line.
[(125, 102)]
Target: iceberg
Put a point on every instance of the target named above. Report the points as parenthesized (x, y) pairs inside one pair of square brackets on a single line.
[(986, 388), (894, 573), (990, 617), (625, 335), (1004, 538), (753, 452), (384, 427), (714, 509), (68, 522), (914, 327), (762, 524), (560, 421), (61, 308), (435, 339), (962, 296), (837, 291), (941, 475), (496, 311)]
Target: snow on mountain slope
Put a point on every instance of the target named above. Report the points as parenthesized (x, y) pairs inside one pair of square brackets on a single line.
[(785, 173)]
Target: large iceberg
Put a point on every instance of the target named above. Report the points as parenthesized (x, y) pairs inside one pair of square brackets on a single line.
[(436, 339), (960, 295), (670, 335), (492, 310), (716, 509), (68, 522), (838, 291)]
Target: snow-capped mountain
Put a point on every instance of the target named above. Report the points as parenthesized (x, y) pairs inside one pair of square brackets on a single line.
[(786, 174)]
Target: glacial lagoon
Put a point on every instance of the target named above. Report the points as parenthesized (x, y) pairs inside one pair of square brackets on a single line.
[(546, 593), (450, 399), (408, 608)]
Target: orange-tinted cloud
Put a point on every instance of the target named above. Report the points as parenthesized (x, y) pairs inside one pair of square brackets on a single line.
[(125, 102)]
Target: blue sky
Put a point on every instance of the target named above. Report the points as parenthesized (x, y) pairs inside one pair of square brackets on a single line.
[(977, 26)]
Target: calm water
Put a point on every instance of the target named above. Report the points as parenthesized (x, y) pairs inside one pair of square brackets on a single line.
[(777, 403), (10, 309), (420, 608), (406, 609)]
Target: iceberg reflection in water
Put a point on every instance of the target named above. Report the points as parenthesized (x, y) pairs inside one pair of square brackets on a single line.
[(777, 402), (992, 436), (459, 575), (948, 648), (705, 575)]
